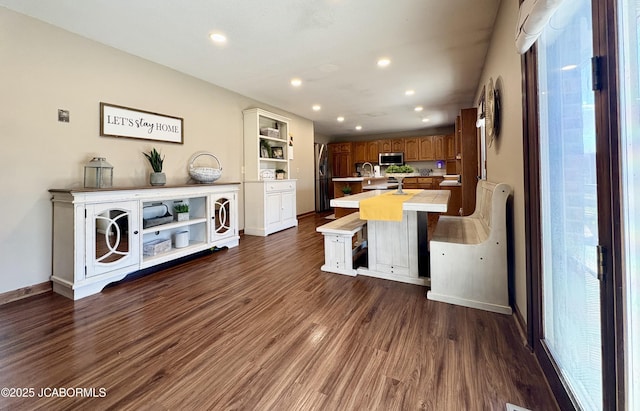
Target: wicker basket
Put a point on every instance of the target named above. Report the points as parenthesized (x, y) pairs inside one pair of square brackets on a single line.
[(204, 174)]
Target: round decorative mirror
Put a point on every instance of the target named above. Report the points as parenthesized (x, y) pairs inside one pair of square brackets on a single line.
[(490, 110)]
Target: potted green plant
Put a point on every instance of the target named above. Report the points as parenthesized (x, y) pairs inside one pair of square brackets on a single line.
[(157, 178), (346, 190), (280, 173), (181, 211)]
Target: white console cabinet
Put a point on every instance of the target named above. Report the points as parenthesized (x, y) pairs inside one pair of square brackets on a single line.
[(100, 236)]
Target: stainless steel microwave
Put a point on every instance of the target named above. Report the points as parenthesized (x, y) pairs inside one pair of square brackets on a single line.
[(388, 159)]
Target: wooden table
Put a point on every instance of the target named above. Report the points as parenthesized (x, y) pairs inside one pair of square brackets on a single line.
[(398, 250)]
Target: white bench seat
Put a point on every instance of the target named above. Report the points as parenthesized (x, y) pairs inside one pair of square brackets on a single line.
[(468, 255), (344, 240)]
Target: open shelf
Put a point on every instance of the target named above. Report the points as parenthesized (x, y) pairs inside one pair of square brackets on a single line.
[(174, 224), (275, 139), (149, 260)]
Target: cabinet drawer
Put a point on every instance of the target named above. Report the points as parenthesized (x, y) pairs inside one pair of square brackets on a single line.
[(425, 180), (273, 186)]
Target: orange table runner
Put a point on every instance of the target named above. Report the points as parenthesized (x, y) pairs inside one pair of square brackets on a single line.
[(386, 207)]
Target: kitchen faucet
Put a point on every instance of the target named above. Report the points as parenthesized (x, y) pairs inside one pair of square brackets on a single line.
[(370, 174)]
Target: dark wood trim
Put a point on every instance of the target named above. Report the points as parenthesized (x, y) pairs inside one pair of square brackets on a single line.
[(531, 192), (25, 292), (564, 398), (609, 203)]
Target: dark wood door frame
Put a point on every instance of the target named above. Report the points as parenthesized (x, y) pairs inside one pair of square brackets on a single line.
[(609, 211)]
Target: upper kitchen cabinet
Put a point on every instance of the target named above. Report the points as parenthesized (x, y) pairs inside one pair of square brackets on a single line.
[(385, 146), (363, 151), (397, 145), (427, 151), (360, 151), (341, 159), (372, 151), (412, 149), (439, 150), (450, 145)]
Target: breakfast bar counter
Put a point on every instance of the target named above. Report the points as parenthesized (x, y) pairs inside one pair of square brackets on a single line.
[(398, 250)]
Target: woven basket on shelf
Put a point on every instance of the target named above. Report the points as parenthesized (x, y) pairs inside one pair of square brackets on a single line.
[(204, 174)]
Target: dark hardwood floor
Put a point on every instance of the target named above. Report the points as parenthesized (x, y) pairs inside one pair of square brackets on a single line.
[(260, 327)]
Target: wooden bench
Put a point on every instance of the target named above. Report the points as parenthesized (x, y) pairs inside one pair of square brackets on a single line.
[(469, 254), (344, 240)]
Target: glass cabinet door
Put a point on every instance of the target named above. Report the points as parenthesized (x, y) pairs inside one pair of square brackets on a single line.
[(223, 216), (115, 242)]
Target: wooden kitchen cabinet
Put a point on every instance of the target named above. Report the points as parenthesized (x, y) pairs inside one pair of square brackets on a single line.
[(342, 165), (341, 159), (455, 200), (450, 147), (422, 183), (372, 151), (468, 152), (412, 149), (397, 145), (438, 147), (385, 146), (427, 152), (360, 152)]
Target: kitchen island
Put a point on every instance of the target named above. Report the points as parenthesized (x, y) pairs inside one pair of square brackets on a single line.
[(354, 185), (398, 250)]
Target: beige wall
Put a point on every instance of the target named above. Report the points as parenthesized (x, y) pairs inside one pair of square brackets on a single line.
[(504, 157), (43, 69)]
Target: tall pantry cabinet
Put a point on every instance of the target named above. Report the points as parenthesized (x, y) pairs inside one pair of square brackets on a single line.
[(467, 157), (269, 193)]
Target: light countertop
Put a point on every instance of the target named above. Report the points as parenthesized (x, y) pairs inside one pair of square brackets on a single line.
[(359, 179), (427, 200), (381, 186), (450, 183)]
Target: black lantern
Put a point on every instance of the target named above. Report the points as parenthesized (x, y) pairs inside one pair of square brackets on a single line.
[(98, 173)]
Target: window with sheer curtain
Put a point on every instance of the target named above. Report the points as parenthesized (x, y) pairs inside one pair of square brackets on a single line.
[(569, 209)]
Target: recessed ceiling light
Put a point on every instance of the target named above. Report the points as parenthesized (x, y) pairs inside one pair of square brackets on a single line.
[(296, 82), (409, 92), (569, 67), (384, 62), (218, 37), (358, 128), (340, 119), (418, 108), (425, 120), (316, 107)]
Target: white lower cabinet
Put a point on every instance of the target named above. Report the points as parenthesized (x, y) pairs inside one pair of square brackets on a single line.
[(113, 244), (270, 206), (100, 236), (224, 216)]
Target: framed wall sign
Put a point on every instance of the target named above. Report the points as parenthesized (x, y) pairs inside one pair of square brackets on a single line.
[(118, 121)]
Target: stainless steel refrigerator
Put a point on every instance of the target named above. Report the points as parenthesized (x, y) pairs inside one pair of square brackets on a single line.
[(323, 177)]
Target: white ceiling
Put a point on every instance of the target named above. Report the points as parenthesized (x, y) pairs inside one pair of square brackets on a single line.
[(436, 47)]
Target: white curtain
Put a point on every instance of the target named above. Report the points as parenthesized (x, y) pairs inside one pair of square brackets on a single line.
[(533, 17)]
